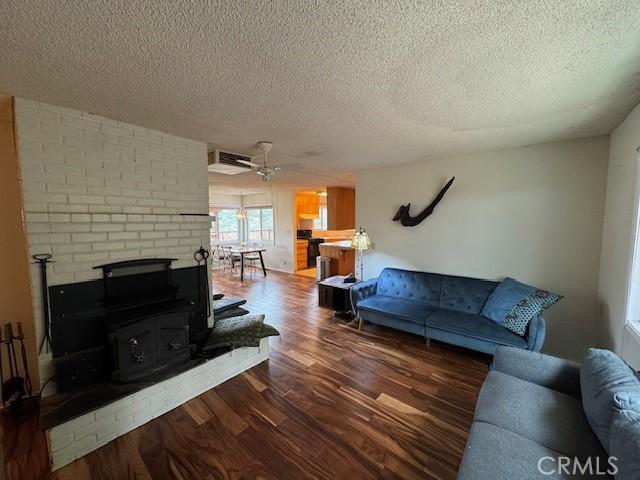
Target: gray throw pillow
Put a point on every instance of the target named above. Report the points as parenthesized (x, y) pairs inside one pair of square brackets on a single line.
[(607, 385), (624, 444), (514, 304)]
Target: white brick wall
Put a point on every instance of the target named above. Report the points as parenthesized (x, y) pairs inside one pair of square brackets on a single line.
[(77, 437), (97, 190)]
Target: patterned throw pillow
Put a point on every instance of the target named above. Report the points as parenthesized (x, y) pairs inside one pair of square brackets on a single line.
[(269, 331), (514, 304), (235, 332), (517, 320)]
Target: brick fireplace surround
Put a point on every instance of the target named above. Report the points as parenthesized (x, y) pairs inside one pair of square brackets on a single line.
[(97, 191)]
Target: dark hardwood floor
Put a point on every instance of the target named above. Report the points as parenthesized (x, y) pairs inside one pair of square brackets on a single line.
[(331, 402)]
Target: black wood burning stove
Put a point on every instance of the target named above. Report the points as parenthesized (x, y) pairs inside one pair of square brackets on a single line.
[(137, 325), (129, 326), (147, 326)]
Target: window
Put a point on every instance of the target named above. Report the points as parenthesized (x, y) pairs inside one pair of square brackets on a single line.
[(260, 224), (630, 347), (225, 226), (321, 222)]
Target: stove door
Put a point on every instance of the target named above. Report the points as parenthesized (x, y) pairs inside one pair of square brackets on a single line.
[(173, 338), (136, 350)]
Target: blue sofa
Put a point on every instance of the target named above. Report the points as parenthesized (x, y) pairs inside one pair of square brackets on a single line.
[(440, 307)]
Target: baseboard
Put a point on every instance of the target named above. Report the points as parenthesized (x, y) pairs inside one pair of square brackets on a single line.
[(280, 270)]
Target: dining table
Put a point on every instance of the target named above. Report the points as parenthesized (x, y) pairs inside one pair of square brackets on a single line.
[(240, 251)]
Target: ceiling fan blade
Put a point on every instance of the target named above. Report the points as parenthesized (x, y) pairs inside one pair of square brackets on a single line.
[(250, 164)]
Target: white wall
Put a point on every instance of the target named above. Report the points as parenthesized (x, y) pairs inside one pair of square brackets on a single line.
[(532, 213), (223, 199), (279, 256), (97, 190), (617, 230)]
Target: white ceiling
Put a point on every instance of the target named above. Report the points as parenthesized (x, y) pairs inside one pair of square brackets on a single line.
[(337, 86)]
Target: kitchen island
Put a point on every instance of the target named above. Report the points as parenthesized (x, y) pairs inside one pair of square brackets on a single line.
[(343, 256)]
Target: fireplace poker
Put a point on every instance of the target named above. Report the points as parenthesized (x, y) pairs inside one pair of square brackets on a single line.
[(13, 388), (43, 259), (201, 257), (25, 365), (13, 365)]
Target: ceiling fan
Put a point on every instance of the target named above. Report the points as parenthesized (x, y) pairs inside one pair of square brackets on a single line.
[(265, 171)]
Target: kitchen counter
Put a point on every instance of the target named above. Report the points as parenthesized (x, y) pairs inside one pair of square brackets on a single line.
[(342, 255), (341, 244)]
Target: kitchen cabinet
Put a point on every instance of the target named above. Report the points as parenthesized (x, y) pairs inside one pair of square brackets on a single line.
[(307, 206), (301, 254), (341, 208)]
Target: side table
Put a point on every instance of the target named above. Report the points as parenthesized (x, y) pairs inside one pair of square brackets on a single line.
[(335, 295)]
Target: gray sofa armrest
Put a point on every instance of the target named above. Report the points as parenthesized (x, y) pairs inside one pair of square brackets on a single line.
[(552, 372), (362, 290), (536, 333)]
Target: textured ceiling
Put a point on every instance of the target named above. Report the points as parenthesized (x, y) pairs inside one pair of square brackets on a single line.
[(337, 86), (311, 179)]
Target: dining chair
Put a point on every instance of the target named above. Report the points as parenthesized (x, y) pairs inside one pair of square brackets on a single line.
[(229, 259), (218, 256), (252, 258)]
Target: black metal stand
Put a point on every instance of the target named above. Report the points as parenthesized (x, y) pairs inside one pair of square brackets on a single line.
[(43, 259), (201, 257)]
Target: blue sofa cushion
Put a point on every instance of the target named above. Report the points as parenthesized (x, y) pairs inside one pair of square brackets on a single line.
[(474, 326), (513, 304), (415, 312), (463, 294), (545, 416), (608, 384), (624, 443), (407, 285), (386, 320)]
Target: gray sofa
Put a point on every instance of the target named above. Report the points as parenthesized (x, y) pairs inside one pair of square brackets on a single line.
[(442, 307), (529, 408)]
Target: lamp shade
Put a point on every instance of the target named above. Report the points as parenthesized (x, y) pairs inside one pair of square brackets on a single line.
[(360, 240)]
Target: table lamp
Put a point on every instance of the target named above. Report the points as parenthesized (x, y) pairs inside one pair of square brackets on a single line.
[(360, 243)]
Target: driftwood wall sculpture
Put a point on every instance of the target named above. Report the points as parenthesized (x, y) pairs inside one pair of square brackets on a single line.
[(408, 221)]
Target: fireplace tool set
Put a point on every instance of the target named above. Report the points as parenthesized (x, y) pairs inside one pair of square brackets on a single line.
[(15, 387)]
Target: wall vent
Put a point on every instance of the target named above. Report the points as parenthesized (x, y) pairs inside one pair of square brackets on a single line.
[(227, 163)]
